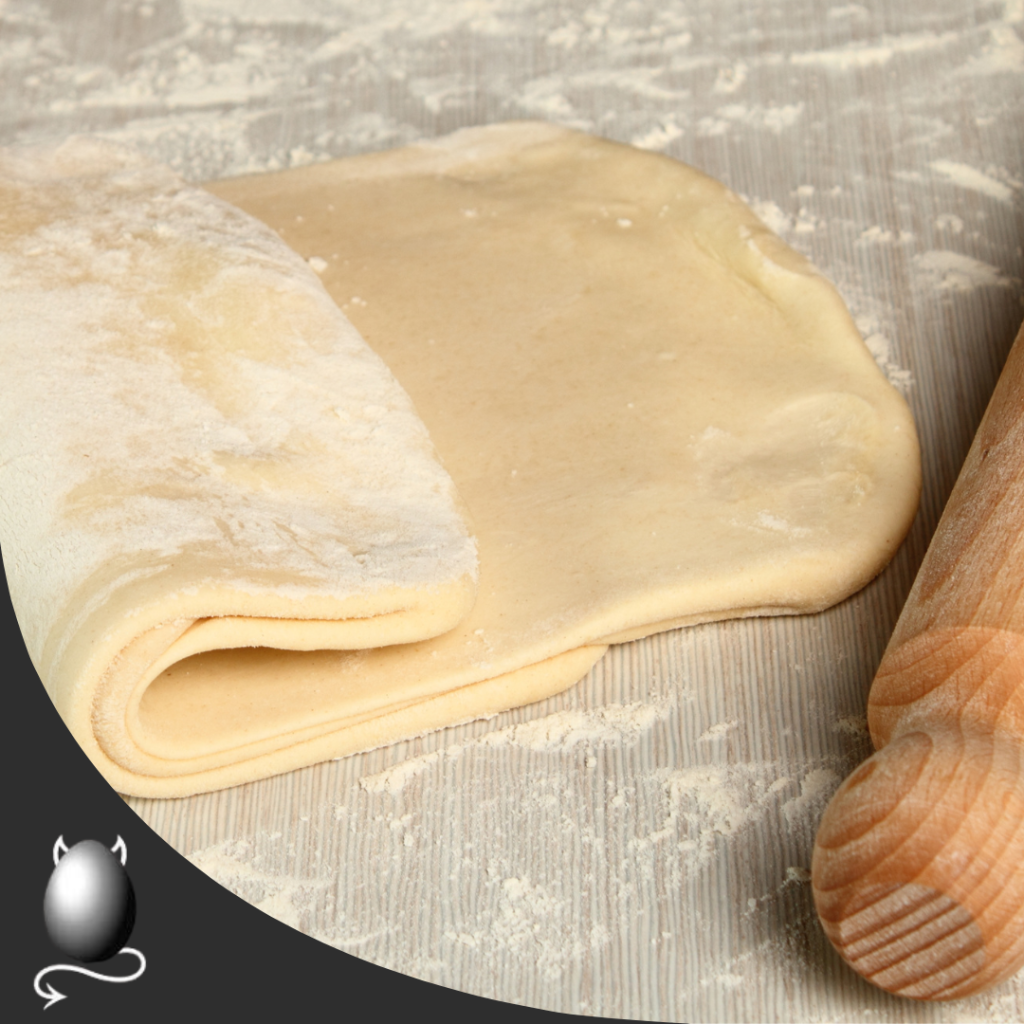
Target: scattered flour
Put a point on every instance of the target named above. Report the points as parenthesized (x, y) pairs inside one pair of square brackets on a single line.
[(881, 349), (949, 222), (731, 79), (816, 787), (851, 11), (526, 913), (876, 234), (868, 55), (853, 725), (953, 271), (776, 219), (765, 520), (555, 733), (772, 215), (394, 779), (660, 136), (1004, 54), (529, 923), (970, 178), (706, 804), (717, 732), (771, 118), (235, 864), (615, 723)]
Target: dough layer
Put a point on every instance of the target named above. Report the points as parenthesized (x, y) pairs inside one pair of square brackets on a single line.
[(656, 413), (197, 451)]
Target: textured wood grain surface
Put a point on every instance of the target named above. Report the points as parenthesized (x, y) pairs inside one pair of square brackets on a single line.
[(918, 867), (640, 845)]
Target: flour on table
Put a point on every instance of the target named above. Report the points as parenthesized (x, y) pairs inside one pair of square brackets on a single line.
[(853, 725), (861, 55), (881, 348), (816, 789), (970, 178), (717, 732), (951, 271), (236, 865), (560, 731), (660, 136), (772, 215), (1004, 51), (707, 804)]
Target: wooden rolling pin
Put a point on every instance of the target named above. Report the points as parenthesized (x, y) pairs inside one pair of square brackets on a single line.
[(918, 869)]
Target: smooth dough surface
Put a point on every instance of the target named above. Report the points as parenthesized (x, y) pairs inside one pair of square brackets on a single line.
[(656, 413)]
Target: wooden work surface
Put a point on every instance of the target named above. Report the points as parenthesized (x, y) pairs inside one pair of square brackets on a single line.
[(638, 846)]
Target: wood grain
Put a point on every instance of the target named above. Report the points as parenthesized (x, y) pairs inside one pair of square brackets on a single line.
[(918, 868)]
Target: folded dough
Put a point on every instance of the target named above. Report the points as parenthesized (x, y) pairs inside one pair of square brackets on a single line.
[(197, 451), (656, 412)]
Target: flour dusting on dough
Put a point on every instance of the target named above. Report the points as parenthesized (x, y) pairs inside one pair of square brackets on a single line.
[(194, 418)]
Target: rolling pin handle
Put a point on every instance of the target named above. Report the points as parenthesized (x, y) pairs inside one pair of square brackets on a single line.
[(918, 866)]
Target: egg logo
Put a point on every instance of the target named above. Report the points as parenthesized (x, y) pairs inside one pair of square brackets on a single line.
[(89, 911)]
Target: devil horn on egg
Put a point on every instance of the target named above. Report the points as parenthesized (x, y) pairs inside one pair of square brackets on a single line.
[(120, 845), (60, 848)]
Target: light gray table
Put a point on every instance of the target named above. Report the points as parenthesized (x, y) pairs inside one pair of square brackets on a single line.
[(638, 846)]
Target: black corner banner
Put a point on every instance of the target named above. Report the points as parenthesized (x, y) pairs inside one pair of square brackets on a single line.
[(195, 951)]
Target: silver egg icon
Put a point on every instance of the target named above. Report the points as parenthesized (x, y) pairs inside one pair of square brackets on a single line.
[(89, 906)]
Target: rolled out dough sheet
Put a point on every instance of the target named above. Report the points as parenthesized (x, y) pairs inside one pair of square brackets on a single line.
[(656, 413)]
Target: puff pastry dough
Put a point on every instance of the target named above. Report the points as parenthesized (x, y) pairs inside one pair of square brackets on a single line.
[(656, 413)]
